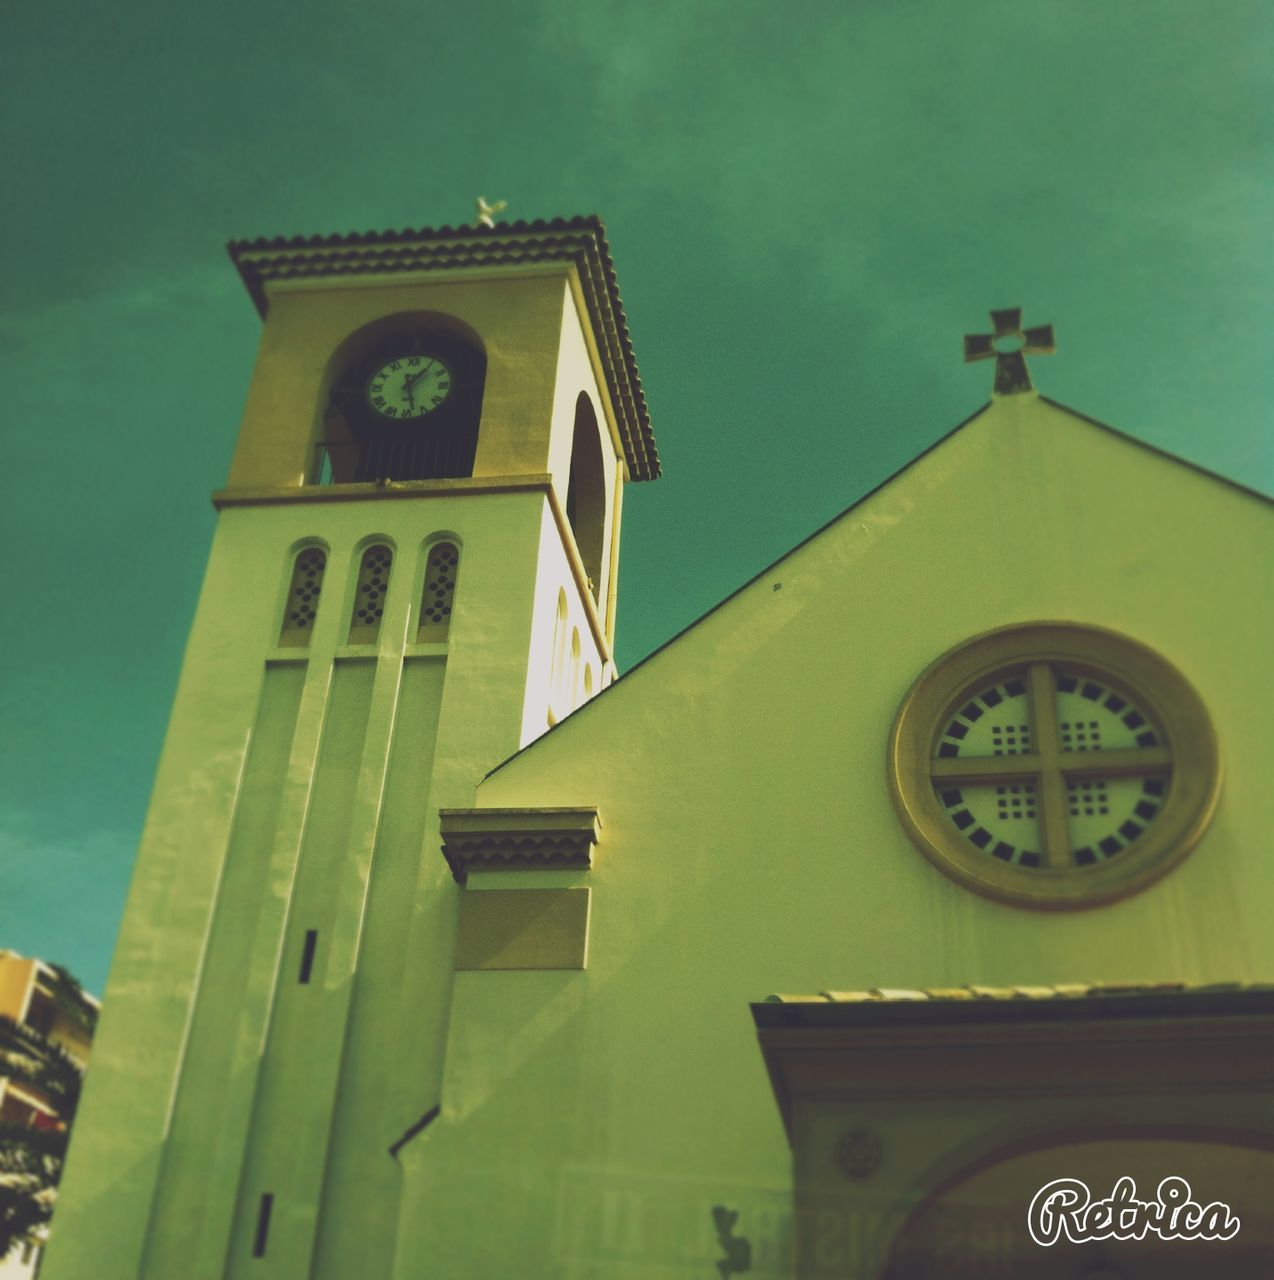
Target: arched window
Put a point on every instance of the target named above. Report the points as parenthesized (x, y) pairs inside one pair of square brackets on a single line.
[(369, 595), (303, 594), (439, 593), (586, 491), (557, 668), (573, 680)]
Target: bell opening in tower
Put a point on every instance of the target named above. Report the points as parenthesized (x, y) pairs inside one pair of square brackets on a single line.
[(405, 408)]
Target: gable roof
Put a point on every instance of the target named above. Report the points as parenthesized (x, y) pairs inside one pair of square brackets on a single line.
[(858, 502), (1151, 448)]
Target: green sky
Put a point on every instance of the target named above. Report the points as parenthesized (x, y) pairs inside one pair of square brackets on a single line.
[(809, 205)]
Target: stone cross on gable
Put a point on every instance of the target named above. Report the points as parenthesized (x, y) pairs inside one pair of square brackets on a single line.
[(1010, 344)]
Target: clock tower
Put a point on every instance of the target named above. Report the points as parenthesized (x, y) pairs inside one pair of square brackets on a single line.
[(413, 576)]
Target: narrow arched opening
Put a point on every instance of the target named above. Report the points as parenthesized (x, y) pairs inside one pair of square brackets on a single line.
[(301, 608), (586, 491), (370, 590), (557, 667), (438, 594)]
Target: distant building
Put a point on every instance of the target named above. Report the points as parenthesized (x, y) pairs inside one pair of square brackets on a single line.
[(36, 995)]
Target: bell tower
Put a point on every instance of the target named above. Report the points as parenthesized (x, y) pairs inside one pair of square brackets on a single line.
[(413, 575)]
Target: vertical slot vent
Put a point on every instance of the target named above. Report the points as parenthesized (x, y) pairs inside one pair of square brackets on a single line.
[(307, 955), (263, 1226)]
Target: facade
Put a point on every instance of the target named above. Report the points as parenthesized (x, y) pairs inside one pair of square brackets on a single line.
[(436, 963)]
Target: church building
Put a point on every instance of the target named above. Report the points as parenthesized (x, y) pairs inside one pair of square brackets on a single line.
[(928, 869)]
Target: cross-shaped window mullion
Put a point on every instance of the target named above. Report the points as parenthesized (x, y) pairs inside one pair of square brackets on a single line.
[(1057, 767), (1129, 762), (1049, 767), (983, 770), (1055, 837)]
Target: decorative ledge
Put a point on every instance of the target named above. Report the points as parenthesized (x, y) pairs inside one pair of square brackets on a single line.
[(441, 488), (518, 839)]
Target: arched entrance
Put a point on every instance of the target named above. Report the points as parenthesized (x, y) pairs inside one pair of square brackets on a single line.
[(976, 1223)]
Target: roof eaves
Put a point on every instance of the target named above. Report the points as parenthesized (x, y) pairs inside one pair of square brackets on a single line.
[(984, 1003)]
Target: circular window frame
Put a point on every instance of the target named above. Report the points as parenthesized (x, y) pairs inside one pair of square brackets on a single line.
[(1189, 746)]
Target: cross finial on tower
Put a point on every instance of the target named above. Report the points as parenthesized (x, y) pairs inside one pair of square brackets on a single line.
[(486, 212), (1010, 344)]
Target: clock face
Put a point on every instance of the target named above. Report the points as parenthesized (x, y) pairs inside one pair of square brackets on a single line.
[(409, 387)]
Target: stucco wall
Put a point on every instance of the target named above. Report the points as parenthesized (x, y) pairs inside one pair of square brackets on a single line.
[(197, 1083)]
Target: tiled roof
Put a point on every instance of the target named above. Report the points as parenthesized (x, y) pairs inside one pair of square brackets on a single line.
[(518, 839), (1063, 1000), (1056, 991), (581, 241)]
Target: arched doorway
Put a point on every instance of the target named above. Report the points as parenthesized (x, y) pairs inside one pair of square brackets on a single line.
[(975, 1224)]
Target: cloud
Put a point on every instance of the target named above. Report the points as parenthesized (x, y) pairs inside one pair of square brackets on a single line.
[(63, 900)]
